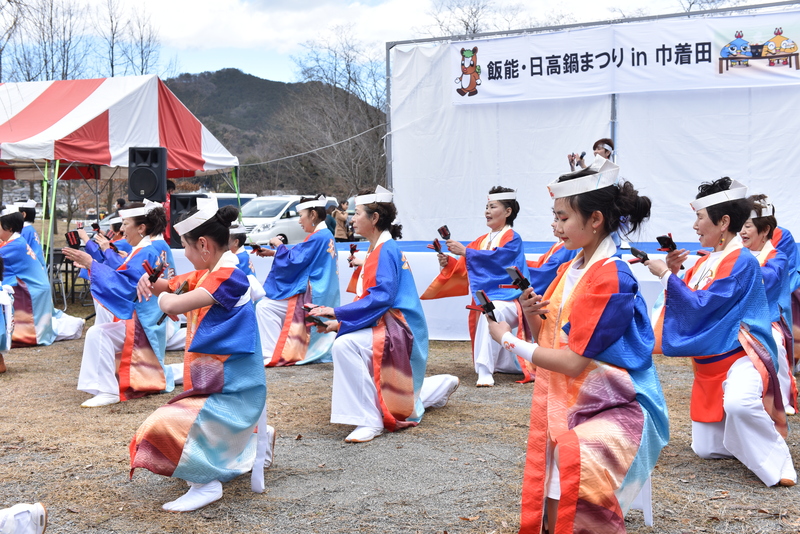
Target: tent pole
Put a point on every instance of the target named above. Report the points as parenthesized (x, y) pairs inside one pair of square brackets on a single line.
[(614, 125), (235, 180), (45, 230), (52, 213)]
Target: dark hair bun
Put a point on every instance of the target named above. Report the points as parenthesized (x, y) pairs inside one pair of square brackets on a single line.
[(227, 214)]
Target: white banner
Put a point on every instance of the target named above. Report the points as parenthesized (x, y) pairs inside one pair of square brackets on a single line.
[(662, 55)]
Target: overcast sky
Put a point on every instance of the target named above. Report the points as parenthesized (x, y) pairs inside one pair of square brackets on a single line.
[(261, 36)]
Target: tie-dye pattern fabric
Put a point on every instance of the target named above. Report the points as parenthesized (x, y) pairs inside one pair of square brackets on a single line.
[(390, 307), (140, 364), (33, 299), (306, 273), (206, 432), (610, 422), (483, 267)]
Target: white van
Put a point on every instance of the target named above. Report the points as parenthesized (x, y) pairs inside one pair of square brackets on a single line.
[(268, 217)]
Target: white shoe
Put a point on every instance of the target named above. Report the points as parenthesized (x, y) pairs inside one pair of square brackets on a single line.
[(101, 399), (788, 474), (441, 403), (485, 381), (199, 495), (26, 519), (364, 433), (789, 410)]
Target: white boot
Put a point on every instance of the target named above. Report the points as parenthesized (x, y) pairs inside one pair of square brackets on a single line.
[(199, 495), (23, 519)]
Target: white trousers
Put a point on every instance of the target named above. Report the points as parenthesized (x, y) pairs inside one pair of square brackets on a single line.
[(98, 366), (176, 336), (355, 396), (270, 315), (102, 315), (746, 432), (490, 356), (66, 326)]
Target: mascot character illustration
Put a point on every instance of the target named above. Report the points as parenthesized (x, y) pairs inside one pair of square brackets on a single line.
[(470, 77), (778, 45), (738, 48)]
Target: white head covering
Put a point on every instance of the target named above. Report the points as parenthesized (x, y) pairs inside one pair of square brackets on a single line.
[(140, 211), (317, 203), (8, 210), (736, 191), (381, 194), (600, 174), (30, 203), (206, 209), (766, 206), (508, 195), (115, 220)]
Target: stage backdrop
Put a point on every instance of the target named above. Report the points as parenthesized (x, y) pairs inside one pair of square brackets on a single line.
[(697, 99)]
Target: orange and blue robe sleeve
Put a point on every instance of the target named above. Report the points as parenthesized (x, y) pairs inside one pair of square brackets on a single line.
[(776, 282), (290, 267), (377, 299), (226, 285), (607, 309), (115, 289), (487, 268), (783, 240), (543, 273), (706, 321)]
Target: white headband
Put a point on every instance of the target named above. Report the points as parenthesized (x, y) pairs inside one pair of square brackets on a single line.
[(737, 191), (115, 220), (603, 174), (509, 195), (381, 194), (607, 147), (766, 206), (140, 211), (206, 209), (30, 203), (8, 210), (316, 203)]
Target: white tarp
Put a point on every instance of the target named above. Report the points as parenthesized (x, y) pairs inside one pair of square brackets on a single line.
[(446, 157)]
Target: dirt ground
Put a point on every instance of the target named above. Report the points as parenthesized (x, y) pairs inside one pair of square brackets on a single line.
[(460, 470)]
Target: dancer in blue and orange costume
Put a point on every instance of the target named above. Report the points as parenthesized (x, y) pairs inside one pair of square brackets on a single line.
[(237, 246), (482, 266), (381, 349), (35, 320), (598, 417), (6, 318), (28, 210), (305, 274), (206, 435), (756, 234), (544, 269), (99, 248), (124, 359), (719, 315)]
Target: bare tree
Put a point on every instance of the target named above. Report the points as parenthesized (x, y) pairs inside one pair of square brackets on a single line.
[(142, 47), (342, 108), (112, 27), (462, 17), (11, 14), (51, 42), (700, 5)]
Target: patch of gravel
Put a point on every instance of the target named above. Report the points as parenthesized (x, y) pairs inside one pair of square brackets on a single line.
[(460, 470)]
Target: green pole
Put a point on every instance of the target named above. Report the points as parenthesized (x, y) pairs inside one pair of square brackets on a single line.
[(53, 188), (235, 180), (45, 230)]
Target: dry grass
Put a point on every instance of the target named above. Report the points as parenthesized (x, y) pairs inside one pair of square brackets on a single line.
[(460, 470)]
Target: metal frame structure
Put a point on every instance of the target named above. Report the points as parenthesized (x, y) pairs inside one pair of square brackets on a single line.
[(545, 29)]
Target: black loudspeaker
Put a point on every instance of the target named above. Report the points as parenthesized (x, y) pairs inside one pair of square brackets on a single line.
[(147, 174), (179, 205)]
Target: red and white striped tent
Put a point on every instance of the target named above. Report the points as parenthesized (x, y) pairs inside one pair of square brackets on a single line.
[(88, 126)]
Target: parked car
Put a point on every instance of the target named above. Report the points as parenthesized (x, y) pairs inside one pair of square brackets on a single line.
[(268, 217)]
